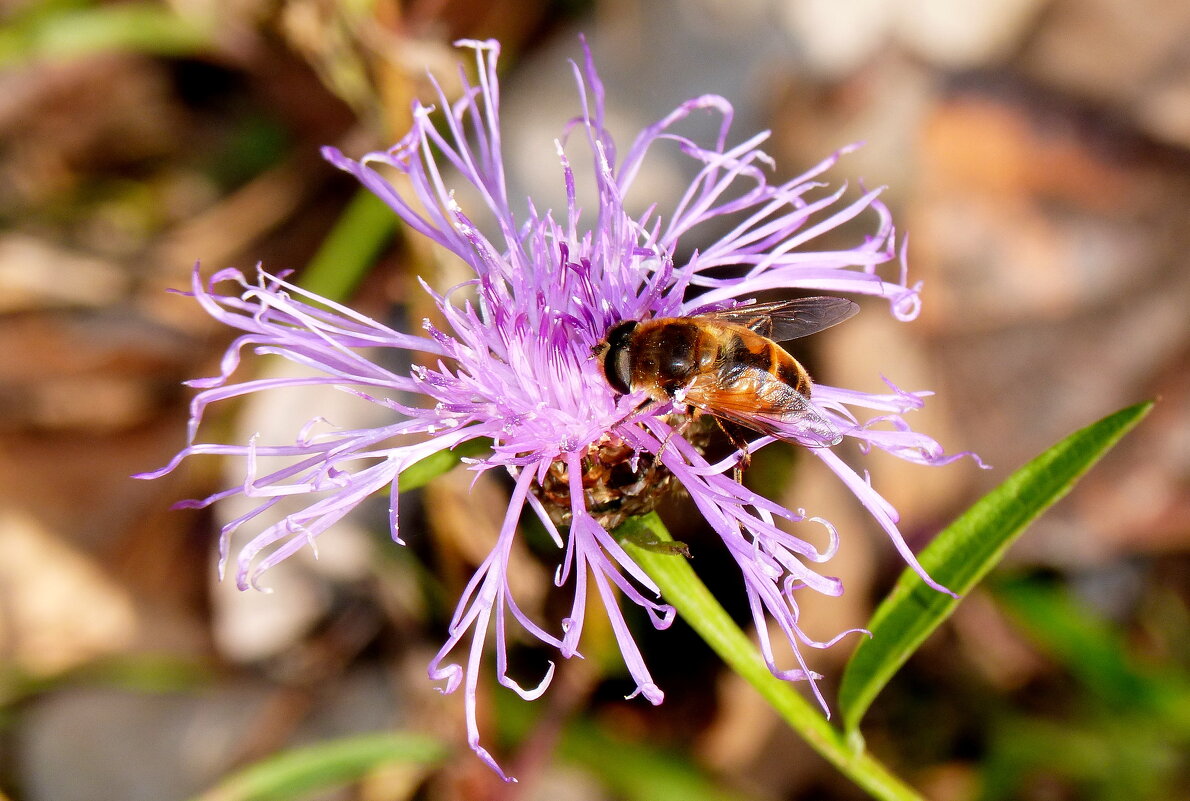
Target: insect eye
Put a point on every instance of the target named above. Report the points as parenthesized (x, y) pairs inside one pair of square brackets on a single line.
[(616, 357)]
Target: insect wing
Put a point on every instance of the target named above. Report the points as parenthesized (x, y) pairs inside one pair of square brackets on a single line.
[(763, 404), (788, 319)]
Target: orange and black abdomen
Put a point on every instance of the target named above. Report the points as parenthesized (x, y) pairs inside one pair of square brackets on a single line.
[(742, 351)]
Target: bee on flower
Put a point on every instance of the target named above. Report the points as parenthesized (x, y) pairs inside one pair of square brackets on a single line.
[(541, 354)]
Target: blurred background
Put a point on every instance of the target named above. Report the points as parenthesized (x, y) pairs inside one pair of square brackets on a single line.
[(1037, 152)]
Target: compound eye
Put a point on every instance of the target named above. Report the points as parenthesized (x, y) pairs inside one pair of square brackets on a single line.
[(621, 375), (617, 359)]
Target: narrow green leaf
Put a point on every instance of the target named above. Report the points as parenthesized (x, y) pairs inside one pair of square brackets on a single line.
[(299, 772), (1090, 757), (1098, 655), (422, 472), (632, 768), (350, 249), (963, 553), (698, 607), (67, 33), (637, 771), (146, 673)]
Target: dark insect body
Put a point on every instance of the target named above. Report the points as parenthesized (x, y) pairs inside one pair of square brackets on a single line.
[(728, 364)]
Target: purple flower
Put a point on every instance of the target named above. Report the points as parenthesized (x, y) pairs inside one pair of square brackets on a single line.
[(513, 364)]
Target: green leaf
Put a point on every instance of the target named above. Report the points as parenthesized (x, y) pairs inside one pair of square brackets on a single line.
[(66, 32), (1090, 757), (422, 472), (698, 607), (637, 771), (962, 554), (1098, 655), (630, 767), (298, 772), (350, 249), (142, 672)]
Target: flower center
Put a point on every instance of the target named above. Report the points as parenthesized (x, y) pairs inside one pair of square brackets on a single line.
[(618, 482)]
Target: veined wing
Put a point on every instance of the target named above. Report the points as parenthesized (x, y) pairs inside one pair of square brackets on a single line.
[(788, 319), (758, 401)]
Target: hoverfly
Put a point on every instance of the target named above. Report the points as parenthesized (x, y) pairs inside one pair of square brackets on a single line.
[(728, 364)]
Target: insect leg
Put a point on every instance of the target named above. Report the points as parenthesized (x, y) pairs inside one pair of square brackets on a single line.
[(738, 436), (680, 430)]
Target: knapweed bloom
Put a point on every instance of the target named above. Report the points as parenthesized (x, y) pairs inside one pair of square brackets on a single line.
[(511, 363)]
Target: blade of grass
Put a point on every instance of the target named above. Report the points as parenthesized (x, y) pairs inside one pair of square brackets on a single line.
[(64, 33), (350, 249), (147, 673), (632, 768), (1098, 655), (698, 607), (422, 472), (298, 772), (963, 554)]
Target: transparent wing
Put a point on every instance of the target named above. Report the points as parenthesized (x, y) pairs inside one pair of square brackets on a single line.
[(763, 404), (788, 319)]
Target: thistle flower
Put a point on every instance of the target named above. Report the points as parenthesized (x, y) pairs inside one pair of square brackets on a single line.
[(513, 364)]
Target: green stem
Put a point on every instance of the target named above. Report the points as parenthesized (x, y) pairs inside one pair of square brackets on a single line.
[(350, 249), (682, 588)]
